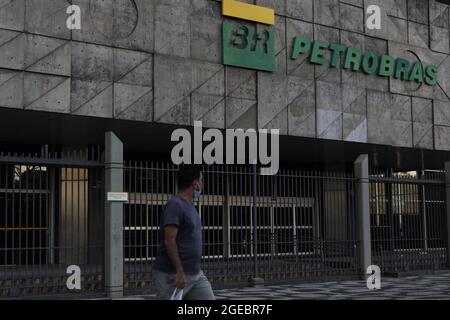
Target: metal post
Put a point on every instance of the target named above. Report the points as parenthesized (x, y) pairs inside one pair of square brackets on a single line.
[(363, 210), (113, 217), (447, 202), (255, 281), (424, 213)]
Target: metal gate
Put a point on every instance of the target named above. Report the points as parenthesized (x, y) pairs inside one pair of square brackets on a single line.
[(51, 217), (408, 220), (303, 228), (296, 225)]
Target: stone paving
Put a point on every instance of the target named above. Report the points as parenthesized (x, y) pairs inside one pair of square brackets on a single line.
[(412, 287), (423, 287)]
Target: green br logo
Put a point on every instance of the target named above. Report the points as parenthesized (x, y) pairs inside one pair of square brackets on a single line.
[(246, 48)]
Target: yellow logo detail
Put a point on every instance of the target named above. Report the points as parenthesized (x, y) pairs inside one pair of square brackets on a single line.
[(240, 10)]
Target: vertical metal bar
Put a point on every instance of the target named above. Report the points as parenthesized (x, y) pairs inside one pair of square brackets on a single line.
[(415, 209), (227, 216), (408, 215), (35, 192), (149, 212), (313, 180), (211, 202), (285, 212), (399, 207), (270, 246), (100, 199), (150, 204), (430, 203), (303, 202), (432, 195), (86, 213), (6, 214), (243, 217), (423, 211), (245, 213), (20, 249), (139, 223), (447, 208), (394, 216), (255, 223), (147, 226), (337, 179), (41, 193), (405, 216), (33, 211), (433, 203), (7, 249), (413, 231), (335, 182), (320, 215), (50, 205), (134, 230), (80, 220), (63, 183), (403, 207), (25, 228), (413, 213), (13, 225), (71, 223), (13, 215), (295, 222)]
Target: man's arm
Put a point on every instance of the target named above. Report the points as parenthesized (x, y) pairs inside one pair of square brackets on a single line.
[(170, 236)]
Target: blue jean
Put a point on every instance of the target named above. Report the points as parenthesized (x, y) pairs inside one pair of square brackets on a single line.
[(197, 288)]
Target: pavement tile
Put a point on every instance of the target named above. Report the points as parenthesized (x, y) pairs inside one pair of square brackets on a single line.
[(431, 287)]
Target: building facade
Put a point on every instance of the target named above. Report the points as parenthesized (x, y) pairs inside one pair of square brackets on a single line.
[(143, 68)]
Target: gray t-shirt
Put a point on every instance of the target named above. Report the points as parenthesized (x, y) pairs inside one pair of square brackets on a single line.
[(182, 214)]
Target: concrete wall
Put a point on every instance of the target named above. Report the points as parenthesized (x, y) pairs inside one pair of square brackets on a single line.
[(160, 61)]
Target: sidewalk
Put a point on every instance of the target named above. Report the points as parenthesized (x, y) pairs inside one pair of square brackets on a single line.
[(434, 287)]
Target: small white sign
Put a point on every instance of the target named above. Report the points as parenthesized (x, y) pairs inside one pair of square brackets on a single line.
[(118, 196)]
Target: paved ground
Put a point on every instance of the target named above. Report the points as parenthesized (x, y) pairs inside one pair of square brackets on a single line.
[(407, 288), (414, 287)]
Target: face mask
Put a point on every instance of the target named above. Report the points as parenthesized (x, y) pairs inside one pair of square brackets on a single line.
[(197, 194)]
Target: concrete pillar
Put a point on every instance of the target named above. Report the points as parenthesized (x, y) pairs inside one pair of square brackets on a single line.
[(363, 210), (113, 217), (447, 201)]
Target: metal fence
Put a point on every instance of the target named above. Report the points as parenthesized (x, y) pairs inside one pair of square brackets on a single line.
[(303, 227), (51, 217), (408, 220), (297, 225)]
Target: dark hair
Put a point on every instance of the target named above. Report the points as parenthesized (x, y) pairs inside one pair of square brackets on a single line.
[(186, 175)]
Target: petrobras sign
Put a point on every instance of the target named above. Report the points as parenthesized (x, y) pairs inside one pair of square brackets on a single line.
[(251, 47)]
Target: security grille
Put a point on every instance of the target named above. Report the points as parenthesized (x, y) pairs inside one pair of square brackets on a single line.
[(51, 217), (303, 227), (408, 220)]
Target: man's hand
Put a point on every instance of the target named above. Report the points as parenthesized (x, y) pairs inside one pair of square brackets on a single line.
[(181, 280)]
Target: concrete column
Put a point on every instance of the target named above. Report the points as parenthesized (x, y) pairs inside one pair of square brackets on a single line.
[(447, 201), (113, 217), (363, 210)]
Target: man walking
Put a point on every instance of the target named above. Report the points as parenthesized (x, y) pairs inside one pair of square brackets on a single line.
[(179, 255)]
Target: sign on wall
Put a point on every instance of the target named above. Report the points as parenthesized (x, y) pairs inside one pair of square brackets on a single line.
[(243, 45), (254, 48)]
